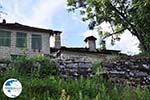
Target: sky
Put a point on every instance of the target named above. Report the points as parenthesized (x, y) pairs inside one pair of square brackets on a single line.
[(53, 14)]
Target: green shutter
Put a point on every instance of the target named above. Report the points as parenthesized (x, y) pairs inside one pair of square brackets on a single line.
[(36, 41), (21, 39), (5, 38)]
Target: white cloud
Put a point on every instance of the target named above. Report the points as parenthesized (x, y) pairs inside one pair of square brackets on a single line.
[(90, 33), (41, 12), (128, 44), (104, 27)]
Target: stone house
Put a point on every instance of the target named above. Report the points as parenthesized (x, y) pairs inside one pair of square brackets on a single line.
[(17, 39)]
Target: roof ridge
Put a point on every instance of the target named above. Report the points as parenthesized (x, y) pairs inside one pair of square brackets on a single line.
[(16, 25)]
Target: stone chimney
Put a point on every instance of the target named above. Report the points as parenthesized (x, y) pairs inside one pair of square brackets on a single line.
[(55, 40), (90, 43)]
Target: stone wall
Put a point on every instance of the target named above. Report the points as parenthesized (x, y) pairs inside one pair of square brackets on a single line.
[(132, 71), (74, 67), (6, 52), (124, 70)]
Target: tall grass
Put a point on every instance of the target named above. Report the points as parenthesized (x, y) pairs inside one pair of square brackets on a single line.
[(52, 87)]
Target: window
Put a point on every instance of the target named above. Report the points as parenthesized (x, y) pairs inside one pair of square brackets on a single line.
[(36, 41), (5, 38), (21, 39)]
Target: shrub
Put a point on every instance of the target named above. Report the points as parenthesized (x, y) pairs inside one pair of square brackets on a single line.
[(38, 66)]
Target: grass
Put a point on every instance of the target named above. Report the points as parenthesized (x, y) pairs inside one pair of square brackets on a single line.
[(51, 87)]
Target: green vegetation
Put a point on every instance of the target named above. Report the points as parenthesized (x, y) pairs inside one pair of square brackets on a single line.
[(145, 54), (49, 86), (35, 66)]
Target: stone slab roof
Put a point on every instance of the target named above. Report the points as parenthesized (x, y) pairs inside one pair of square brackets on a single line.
[(90, 38), (85, 50), (17, 26)]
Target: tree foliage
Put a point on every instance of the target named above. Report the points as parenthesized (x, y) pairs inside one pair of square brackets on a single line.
[(131, 15)]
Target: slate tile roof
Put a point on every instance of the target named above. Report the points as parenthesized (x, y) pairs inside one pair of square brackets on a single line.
[(17, 26)]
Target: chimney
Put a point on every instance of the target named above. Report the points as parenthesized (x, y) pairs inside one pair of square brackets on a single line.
[(90, 43), (55, 40), (4, 21)]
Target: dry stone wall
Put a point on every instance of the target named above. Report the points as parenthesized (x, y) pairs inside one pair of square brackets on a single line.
[(74, 67), (132, 71)]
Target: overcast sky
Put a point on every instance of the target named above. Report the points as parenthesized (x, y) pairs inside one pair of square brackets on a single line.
[(53, 14)]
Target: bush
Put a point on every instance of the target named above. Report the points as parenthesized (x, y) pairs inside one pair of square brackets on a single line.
[(38, 66)]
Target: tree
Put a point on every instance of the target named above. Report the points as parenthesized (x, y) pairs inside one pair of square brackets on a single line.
[(132, 15)]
